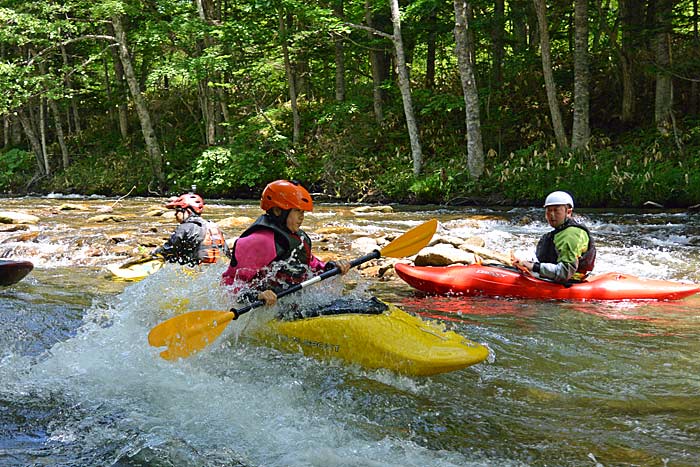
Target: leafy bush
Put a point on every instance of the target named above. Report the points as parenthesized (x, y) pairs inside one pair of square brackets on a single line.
[(111, 173), (239, 167), (16, 169)]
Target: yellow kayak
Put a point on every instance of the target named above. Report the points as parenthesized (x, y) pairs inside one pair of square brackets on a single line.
[(375, 335), (136, 270)]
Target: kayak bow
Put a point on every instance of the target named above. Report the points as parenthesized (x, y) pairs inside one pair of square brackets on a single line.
[(12, 271), (136, 270)]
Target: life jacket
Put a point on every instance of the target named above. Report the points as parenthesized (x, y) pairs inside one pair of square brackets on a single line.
[(547, 253), (212, 243), (292, 251)]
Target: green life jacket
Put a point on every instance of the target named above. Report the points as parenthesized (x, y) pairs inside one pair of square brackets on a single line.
[(547, 253)]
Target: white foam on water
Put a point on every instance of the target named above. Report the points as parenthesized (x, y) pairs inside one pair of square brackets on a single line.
[(233, 402)]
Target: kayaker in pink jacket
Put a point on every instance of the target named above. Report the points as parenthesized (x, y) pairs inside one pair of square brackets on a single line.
[(274, 253)]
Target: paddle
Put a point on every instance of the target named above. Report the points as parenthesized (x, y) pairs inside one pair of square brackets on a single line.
[(520, 267), (508, 262), (190, 332), (490, 254)]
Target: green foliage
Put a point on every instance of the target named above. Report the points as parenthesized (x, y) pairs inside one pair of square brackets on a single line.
[(253, 159), (233, 63), (112, 172), (608, 176), (16, 169)]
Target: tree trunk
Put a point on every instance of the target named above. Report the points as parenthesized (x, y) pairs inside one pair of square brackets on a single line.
[(464, 49), (42, 132), (222, 97), (694, 104), (378, 64), (5, 131), (147, 130), (498, 39), (34, 142), (405, 86), (627, 105), (581, 128), (630, 18), (663, 103), (59, 128), (15, 132), (122, 98), (296, 132), (430, 53), (339, 55), (623, 57), (302, 71), (65, 157), (73, 104), (519, 19), (213, 101), (550, 86), (208, 110)]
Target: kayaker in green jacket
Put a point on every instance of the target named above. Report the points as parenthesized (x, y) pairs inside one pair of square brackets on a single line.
[(275, 252), (567, 253)]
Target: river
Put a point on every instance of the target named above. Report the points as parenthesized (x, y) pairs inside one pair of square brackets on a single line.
[(566, 384)]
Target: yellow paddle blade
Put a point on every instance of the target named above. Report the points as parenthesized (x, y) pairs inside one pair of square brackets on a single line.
[(189, 333), (412, 241)]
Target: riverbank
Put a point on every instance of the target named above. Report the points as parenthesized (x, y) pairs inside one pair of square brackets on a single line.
[(639, 169)]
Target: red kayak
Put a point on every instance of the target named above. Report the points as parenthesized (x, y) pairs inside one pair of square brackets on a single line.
[(477, 279), (12, 271)]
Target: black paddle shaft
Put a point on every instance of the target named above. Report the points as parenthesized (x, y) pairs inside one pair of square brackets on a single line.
[(296, 287)]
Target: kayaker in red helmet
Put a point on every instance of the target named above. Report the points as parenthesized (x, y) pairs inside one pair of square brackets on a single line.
[(274, 252), (195, 240), (567, 253)]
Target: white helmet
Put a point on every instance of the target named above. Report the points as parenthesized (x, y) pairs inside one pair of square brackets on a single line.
[(559, 197)]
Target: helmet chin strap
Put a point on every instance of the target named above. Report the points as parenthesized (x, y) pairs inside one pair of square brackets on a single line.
[(280, 219)]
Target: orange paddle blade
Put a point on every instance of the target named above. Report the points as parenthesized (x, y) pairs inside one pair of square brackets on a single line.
[(189, 333), (412, 241)]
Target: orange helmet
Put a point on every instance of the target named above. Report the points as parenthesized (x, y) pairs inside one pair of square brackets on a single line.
[(188, 201), (286, 195)]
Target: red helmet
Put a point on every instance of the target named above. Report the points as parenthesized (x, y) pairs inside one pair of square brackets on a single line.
[(286, 195), (188, 201)]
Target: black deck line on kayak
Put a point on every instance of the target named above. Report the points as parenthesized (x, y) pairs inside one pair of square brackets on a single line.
[(342, 306)]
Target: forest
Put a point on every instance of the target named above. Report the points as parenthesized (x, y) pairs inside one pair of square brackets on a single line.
[(418, 101)]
